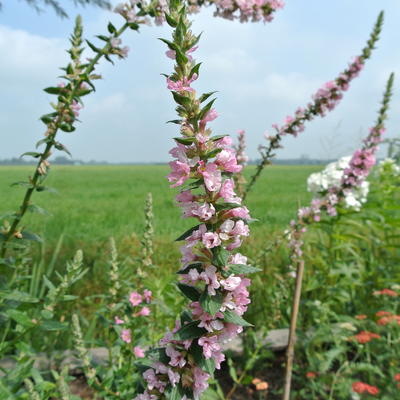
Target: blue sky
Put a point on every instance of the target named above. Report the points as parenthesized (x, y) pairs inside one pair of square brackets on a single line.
[(262, 72)]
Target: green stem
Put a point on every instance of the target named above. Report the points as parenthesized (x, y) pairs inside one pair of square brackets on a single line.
[(50, 143)]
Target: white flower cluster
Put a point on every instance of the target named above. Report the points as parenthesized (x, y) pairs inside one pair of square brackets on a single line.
[(388, 166), (319, 183)]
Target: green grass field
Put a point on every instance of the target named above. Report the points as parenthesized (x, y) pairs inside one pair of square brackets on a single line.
[(94, 203)]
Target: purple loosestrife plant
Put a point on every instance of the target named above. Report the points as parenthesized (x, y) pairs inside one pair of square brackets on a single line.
[(212, 274), (324, 100), (77, 83), (242, 159), (354, 176)]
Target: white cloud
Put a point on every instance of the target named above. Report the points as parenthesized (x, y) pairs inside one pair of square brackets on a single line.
[(29, 56)]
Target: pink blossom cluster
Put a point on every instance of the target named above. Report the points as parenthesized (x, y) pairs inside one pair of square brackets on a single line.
[(138, 307), (324, 100), (354, 176), (244, 10), (247, 10), (203, 167)]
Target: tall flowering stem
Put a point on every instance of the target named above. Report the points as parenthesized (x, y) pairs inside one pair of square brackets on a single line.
[(354, 176), (148, 235), (242, 160), (324, 100), (212, 274), (77, 83)]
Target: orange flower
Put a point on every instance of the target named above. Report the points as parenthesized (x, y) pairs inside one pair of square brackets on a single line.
[(361, 316), (388, 319), (361, 387), (383, 313), (397, 377), (260, 385), (365, 337), (311, 375), (387, 292)]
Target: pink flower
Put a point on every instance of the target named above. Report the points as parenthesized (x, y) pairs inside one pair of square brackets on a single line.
[(126, 335), (200, 381), (227, 192), (210, 345), (135, 299), (231, 283), (227, 160), (147, 295), (211, 239), (210, 278), (118, 321), (212, 176), (139, 352), (145, 311), (179, 174), (240, 212), (177, 359)]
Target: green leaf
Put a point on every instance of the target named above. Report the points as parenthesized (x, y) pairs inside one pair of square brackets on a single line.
[(103, 38), (226, 206), (187, 233), (50, 325), (15, 295), (170, 21), (31, 236), (61, 147), (190, 292), (238, 269), (46, 188), (206, 109), (47, 118), (190, 331), (93, 47), (171, 45), (204, 97), (232, 317), (33, 154), (67, 127), (198, 266), (21, 318), (218, 137), (211, 304), (220, 256), (194, 70), (181, 100), (185, 140), (212, 154), (36, 209), (111, 28), (54, 90), (21, 183), (46, 314), (186, 316), (176, 393), (158, 354)]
